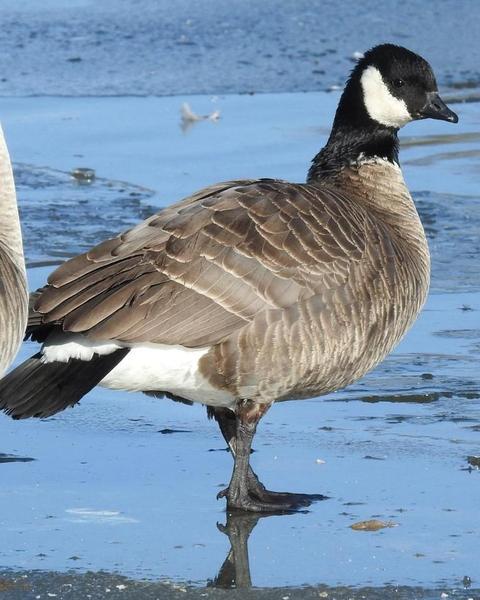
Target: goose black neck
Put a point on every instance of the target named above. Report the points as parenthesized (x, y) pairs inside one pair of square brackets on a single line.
[(354, 134), (346, 146)]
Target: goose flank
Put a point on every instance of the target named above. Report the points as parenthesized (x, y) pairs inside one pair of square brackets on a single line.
[(251, 292)]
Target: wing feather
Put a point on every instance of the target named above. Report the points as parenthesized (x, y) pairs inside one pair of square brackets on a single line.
[(200, 270)]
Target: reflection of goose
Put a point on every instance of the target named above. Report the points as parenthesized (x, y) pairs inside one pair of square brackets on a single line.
[(13, 283), (235, 570), (251, 292)]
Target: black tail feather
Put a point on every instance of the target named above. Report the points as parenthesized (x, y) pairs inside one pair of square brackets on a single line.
[(40, 389)]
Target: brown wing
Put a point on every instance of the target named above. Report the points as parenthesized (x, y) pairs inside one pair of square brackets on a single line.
[(203, 268)]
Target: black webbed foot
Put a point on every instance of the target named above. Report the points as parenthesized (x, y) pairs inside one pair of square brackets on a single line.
[(253, 504), (256, 487), (259, 499)]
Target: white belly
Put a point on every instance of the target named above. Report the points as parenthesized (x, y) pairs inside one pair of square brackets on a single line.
[(147, 367), (174, 369)]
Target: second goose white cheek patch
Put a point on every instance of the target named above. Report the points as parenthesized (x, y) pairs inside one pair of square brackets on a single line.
[(381, 105)]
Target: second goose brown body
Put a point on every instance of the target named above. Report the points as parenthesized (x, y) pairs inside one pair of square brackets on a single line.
[(13, 280), (251, 292)]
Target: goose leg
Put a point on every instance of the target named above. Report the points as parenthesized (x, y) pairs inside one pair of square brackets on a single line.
[(227, 421), (245, 491)]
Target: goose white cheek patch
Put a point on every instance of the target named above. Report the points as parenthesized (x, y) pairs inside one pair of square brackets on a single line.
[(381, 105)]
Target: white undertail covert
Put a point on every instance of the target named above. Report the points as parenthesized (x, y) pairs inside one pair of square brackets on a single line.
[(147, 367)]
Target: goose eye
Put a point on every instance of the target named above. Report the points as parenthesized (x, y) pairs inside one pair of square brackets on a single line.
[(398, 83)]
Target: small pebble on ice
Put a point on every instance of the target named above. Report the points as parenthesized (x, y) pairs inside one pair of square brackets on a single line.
[(372, 525)]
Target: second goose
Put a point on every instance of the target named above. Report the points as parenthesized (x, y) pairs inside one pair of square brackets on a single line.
[(13, 279), (251, 292)]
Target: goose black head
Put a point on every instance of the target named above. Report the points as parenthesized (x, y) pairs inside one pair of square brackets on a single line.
[(391, 86)]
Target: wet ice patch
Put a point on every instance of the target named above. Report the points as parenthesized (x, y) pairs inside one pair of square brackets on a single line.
[(10, 458), (62, 217), (452, 225), (465, 334), (88, 515)]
